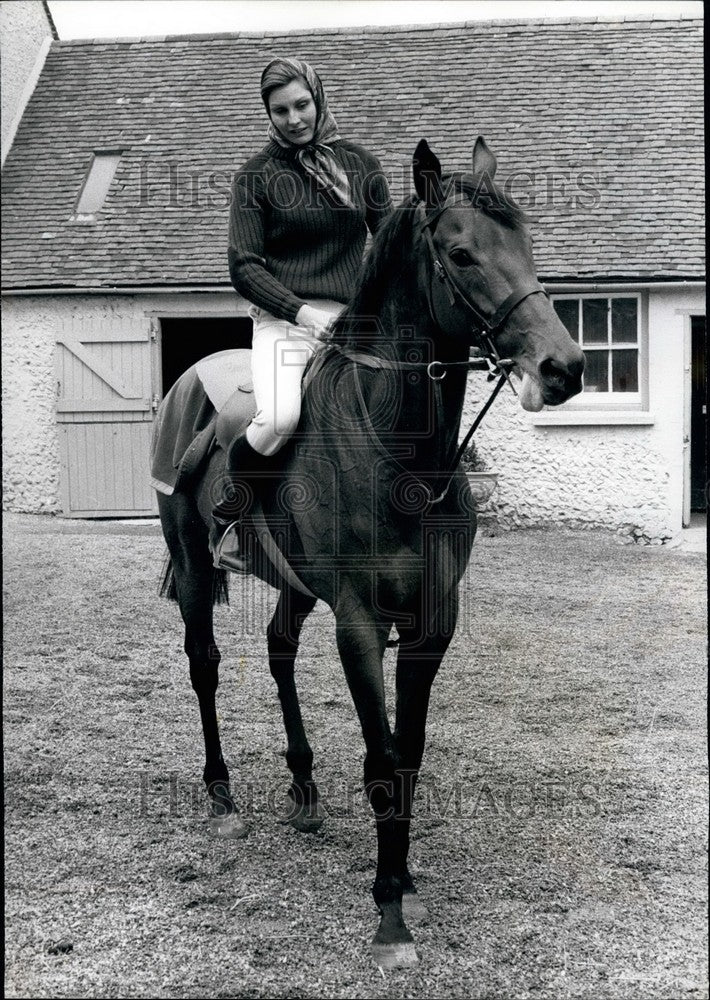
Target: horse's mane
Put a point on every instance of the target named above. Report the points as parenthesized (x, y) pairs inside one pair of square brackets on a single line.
[(394, 247), (384, 267)]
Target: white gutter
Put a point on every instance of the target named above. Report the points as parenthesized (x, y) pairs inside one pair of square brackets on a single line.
[(29, 87), (138, 290), (602, 286), (597, 286)]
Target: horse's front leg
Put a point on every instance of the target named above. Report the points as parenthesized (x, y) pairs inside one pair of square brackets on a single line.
[(282, 637), (418, 660), (361, 643)]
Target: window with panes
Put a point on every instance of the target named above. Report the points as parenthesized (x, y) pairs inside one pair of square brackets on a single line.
[(608, 329)]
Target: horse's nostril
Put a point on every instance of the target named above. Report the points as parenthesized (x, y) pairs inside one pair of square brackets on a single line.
[(551, 370)]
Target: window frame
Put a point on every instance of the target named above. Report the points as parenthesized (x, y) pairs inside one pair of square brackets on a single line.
[(613, 401), (89, 213)]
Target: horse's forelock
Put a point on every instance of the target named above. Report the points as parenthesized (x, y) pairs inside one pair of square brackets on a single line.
[(487, 196), (396, 243)]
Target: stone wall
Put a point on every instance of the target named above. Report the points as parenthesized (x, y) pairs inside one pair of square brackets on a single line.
[(29, 433)]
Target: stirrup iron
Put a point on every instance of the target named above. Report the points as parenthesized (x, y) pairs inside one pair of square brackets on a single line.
[(223, 558)]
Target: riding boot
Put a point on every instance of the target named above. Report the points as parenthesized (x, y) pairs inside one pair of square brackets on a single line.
[(246, 476)]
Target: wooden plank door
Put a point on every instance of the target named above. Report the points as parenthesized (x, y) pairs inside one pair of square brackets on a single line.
[(105, 403), (698, 415)]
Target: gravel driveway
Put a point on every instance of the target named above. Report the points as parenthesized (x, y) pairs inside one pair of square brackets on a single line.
[(559, 841)]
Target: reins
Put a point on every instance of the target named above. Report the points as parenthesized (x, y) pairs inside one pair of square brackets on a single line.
[(373, 362)]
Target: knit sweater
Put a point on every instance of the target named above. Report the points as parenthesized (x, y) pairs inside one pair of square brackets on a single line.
[(289, 240)]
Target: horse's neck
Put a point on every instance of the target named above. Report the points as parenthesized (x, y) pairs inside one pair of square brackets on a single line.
[(425, 415)]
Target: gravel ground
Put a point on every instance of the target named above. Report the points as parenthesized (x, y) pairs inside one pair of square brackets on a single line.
[(559, 841)]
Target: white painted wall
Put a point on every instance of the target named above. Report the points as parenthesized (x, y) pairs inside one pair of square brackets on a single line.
[(616, 476), (621, 477), (29, 435), (29, 329), (25, 35)]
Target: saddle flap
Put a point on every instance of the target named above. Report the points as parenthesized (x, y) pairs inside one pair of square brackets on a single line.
[(220, 373)]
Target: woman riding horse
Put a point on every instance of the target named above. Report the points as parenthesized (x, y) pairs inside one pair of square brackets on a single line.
[(371, 513), (299, 215)]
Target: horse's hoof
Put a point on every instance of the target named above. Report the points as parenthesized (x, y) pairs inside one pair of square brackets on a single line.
[(305, 819), (413, 909), (308, 821), (231, 827), (400, 955)]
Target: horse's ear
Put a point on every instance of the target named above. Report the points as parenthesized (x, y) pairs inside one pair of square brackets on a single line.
[(427, 175), (483, 160)]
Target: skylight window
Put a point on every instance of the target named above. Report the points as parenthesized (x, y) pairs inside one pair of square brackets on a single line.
[(96, 184)]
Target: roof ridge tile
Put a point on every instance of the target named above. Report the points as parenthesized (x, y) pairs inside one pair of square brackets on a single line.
[(532, 23)]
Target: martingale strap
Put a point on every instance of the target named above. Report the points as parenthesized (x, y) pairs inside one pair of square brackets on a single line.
[(502, 369)]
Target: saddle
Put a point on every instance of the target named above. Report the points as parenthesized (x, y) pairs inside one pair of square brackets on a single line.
[(202, 412), (234, 416), (234, 408), (197, 415)]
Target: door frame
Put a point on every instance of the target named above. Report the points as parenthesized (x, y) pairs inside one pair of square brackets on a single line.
[(687, 401), (189, 309)]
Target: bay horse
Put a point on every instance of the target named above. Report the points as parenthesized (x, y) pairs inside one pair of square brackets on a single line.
[(369, 510)]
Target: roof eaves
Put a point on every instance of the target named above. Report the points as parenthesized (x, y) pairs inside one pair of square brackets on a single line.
[(127, 288), (657, 278)]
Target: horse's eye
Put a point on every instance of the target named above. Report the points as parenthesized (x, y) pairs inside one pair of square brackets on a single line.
[(461, 257)]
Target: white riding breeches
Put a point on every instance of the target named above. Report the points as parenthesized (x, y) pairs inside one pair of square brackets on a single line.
[(280, 352)]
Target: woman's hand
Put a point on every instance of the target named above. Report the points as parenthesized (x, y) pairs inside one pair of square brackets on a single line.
[(316, 321)]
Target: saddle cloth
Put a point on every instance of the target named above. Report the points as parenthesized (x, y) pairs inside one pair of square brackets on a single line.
[(203, 411), (187, 426)]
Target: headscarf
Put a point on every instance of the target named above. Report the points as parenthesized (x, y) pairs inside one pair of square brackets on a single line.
[(316, 157)]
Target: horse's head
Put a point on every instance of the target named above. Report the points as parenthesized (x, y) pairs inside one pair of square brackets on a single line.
[(483, 284)]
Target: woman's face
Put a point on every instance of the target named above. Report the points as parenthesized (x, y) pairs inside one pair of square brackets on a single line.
[(293, 112)]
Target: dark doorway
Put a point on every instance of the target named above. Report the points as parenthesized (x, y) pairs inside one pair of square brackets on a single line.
[(698, 415), (185, 341)]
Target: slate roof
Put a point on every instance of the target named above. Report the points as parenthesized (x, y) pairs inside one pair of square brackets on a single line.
[(606, 115)]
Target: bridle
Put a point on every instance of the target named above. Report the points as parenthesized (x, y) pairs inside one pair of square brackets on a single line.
[(483, 329)]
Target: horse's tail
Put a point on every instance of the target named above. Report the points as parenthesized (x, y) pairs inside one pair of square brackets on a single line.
[(220, 587), (168, 585)]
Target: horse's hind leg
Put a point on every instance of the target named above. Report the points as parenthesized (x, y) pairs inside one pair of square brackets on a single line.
[(186, 535), (282, 639)]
